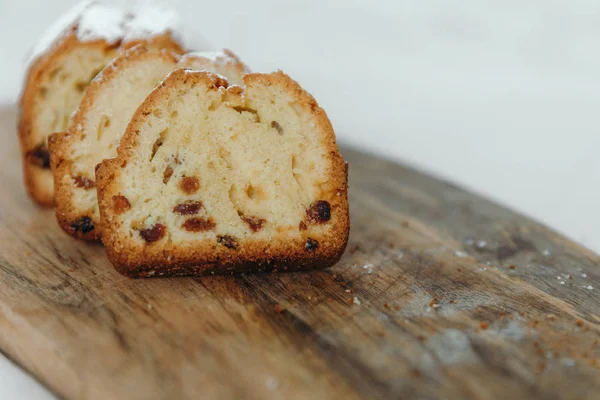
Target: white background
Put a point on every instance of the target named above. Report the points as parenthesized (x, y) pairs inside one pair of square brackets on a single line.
[(499, 96)]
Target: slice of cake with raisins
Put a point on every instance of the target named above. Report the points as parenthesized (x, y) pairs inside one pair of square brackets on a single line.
[(66, 59), (101, 119), (212, 178)]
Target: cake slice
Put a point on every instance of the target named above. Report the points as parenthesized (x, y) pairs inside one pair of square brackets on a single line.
[(101, 119), (61, 67), (212, 178)]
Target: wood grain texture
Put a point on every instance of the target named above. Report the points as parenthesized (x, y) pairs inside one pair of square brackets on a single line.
[(440, 295)]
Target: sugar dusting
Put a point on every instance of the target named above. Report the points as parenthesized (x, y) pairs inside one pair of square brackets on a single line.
[(150, 20), (59, 28), (94, 21), (212, 57), (99, 22), (513, 330), (452, 346)]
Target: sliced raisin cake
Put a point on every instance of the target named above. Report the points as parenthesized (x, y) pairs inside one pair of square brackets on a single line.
[(61, 67), (101, 119), (212, 178)]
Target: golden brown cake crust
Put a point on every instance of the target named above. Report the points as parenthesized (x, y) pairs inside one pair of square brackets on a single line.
[(35, 156), (309, 250), (82, 224)]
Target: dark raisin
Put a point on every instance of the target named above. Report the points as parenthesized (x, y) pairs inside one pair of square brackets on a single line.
[(155, 147), (227, 241), (275, 124), (167, 174), (189, 184), (39, 156), (120, 204), (84, 182), (302, 226), (81, 86), (154, 233), (83, 224), (190, 207), (319, 212), (255, 223), (311, 245), (249, 110), (199, 224)]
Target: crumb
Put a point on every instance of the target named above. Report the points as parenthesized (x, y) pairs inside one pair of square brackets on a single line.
[(511, 267), (347, 290), (309, 297), (350, 301), (483, 325), (416, 373), (452, 301), (405, 224), (271, 383), (579, 322), (330, 300), (541, 366), (459, 269), (356, 301), (502, 314), (551, 317), (396, 308), (149, 306), (71, 270), (386, 306), (434, 303), (278, 308), (421, 338)]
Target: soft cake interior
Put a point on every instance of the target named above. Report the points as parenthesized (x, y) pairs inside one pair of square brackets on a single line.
[(105, 123), (63, 86), (217, 163)]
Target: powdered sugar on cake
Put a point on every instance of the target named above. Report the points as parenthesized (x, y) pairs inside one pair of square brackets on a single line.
[(149, 20), (57, 29), (94, 21), (213, 56), (100, 23), (225, 58)]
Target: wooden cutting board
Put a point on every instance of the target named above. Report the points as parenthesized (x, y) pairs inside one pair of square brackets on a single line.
[(440, 295)]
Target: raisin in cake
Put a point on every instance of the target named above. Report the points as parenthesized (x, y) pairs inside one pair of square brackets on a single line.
[(64, 62), (217, 179), (101, 119)]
